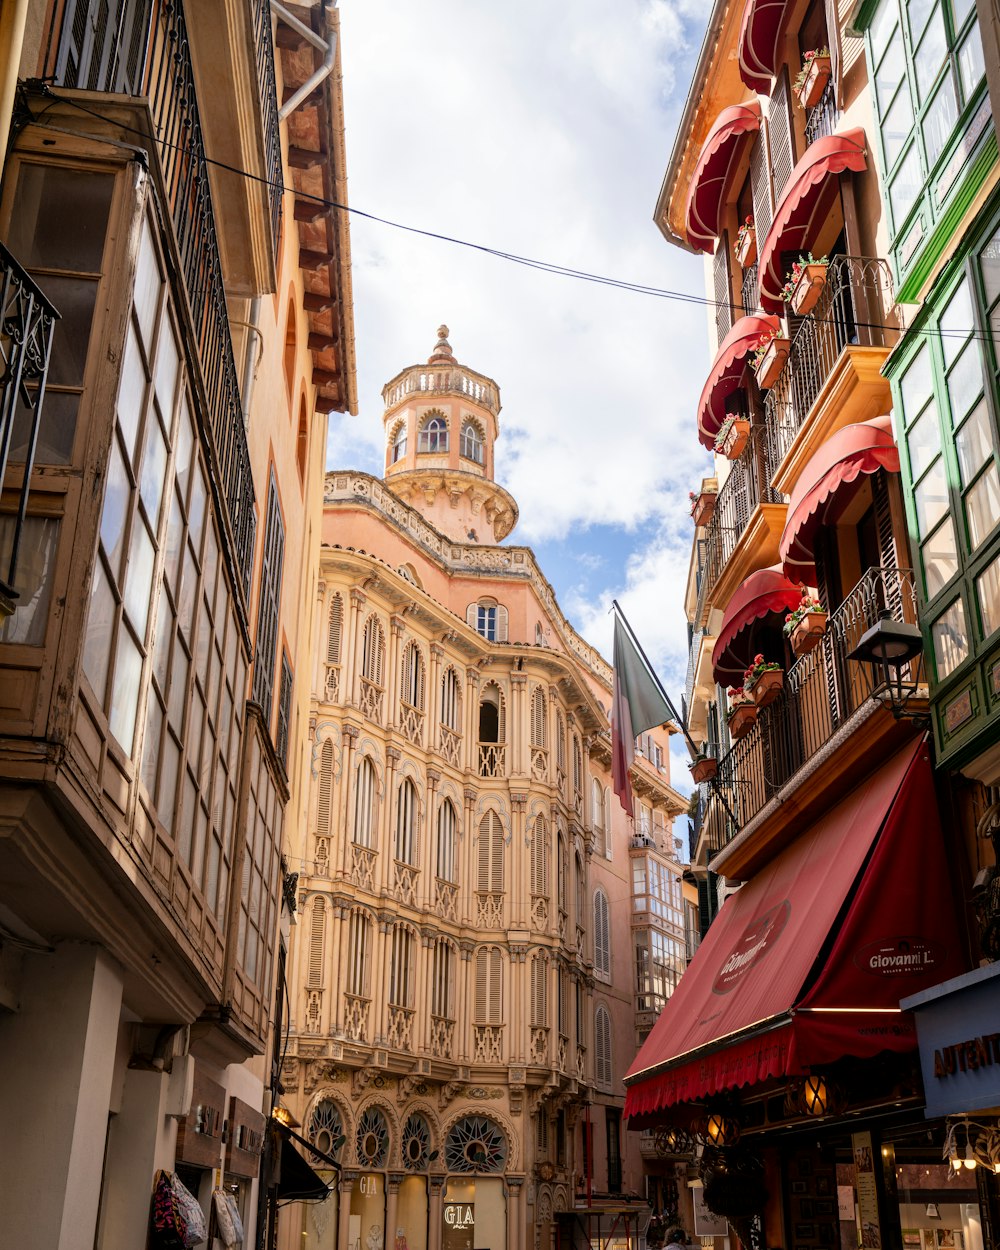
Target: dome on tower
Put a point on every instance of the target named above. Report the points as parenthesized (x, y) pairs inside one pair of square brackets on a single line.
[(442, 353)]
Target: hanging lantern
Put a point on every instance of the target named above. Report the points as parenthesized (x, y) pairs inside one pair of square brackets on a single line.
[(720, 1130), (815, 1096)]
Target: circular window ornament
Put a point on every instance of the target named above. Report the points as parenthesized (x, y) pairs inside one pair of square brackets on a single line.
[(372, 1139), (416, 1143), (475, 1144), (326, 1128)]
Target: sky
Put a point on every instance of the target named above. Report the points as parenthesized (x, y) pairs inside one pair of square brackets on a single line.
[(540, 128)]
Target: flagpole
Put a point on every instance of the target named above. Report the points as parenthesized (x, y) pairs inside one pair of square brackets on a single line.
[(714, 783)]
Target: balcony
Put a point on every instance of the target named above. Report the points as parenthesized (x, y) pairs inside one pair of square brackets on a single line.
[(822, 117), (452, 381), (748, 290), (832, 372), (748, 517), (825, 705)]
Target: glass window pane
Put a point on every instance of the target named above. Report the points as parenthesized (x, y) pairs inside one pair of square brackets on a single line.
[(923, 442), (32, 580), (147, 287), (982, 506), (989, 263), (131, 392), (125, 690), (988, 593), (916, 385), (960, 11), (162, 638), (940, 557), (154, 467), (957, 322), (931, 498), (973, 443), (151, 743), (166, 372), (939, 120), (890, 73), (178, 685), (60, 218), (168, 781), (174, 544), (56, 428), (918, 12), (182, 452), (905, 186), (139, 578), (100, 622), (931, 54), (965, 381), (117, 493), (951, 641), (971, 63), (189, 588), (74, 297), (883, 27), (196, 512), (897, 126)]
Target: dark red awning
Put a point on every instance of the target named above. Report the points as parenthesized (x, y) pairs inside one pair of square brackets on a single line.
[(727, 371), (758, 46), (824, 487), (720, 154), (767, 590), (805, 204), (807, 962)]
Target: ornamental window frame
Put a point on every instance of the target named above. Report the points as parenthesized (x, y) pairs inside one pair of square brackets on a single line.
[(433, 437)]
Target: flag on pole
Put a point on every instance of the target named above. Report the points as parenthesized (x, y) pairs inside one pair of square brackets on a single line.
[(638, 703)]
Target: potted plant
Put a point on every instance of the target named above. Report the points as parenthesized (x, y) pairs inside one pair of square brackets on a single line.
[(742, 712), (763, 680), (768, 359), (732, 437), (805, 284), (702, 505), (704, 767), (806, 625), (810, 83), (746, 244)]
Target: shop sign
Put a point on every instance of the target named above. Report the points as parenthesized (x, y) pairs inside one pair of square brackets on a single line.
[(759, 936), (246, 1138), (459, 1215), (867, 1191), (200, 1132), (706, 1223), (368, 1184), (970, 1056), (900, 956)]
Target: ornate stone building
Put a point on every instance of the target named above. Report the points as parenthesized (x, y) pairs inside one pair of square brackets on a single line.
[(463, 972)]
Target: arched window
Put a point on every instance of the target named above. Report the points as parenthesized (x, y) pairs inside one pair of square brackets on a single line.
[(433, 435), (602, 935), (302, 442), (415, 1142), (443, 980), (597, 816), (539, 992), (602, 1046), (538, 714), (451, 700), (398, 442), (324, 804), (540, 852), (335, 625), (317, 944), (489, 876), (475, 1144), (472, 442), (373, 652), (492, 731), (406, 823), (359, 930), (489, 986), (581, 893), (401, 974), (326, 1128), (371, 1138), (489, 619), (447, 826), (365, 804), (413, 677)]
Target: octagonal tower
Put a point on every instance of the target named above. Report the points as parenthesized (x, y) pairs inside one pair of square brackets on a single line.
[(441, 424)]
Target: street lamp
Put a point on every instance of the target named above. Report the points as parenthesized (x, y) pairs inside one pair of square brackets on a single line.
[(891, 645)]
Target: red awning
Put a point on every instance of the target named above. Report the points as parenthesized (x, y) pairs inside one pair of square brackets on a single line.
[(805, 204), (823, 488), (758, 47), (727, 371), (767, 590), (720, 154), (807, 962)]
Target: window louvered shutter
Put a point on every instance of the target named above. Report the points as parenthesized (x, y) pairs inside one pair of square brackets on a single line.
[(539, 974), (501, 624), (488, 986), (538, 718), (472, 616), (540, 857), (325, 801), (317, 941), (760, 185), (779, 116), (335, 628), (501, 717), (602, 949), (602, 1046), (722, 281), (490, 865)]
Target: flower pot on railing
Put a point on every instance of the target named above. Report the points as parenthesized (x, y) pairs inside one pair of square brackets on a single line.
[(746, 246), (703, 507), (769, 362), (808, 287), (741, 719), (704, 768), (767, 686), (732, 437), (812, 80), (806, 633)]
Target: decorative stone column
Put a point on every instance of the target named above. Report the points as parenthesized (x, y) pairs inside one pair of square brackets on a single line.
[(349, 737), (347, 1180), (381, 1004), (351, 669), (386, 849), (436, 1186), (396, 626), (467, 897), (471, 735), (465, 1006), (518, 1024), (393, 1181), (428, 891), (436, 667), (519, 890), (519, 764), (319, 650), (515, 1218)]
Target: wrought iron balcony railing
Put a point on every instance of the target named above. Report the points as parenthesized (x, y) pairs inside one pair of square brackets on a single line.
[(748, 484), (748, 290), (27, 320), (267, 88), (822, 690), (822, 117), (855, 309)]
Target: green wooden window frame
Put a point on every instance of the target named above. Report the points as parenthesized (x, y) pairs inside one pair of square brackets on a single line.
[(930, 100), (946, 396)]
